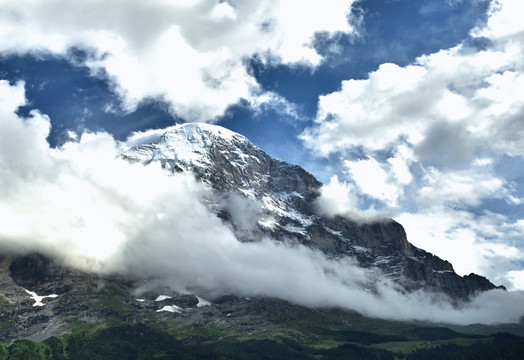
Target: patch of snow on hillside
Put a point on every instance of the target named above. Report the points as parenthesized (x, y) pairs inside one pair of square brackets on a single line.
[(383, 260), (202, 302), (274, 206), (361, 249), (38, 299), (268, 223), (171, 308), (248, 193), (217, 131), (416, 259), (333, 232), (299, 217), (295, 229), (341, 237)]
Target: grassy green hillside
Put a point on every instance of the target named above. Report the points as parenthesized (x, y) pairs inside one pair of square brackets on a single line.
[(282, 331), (139, 341)]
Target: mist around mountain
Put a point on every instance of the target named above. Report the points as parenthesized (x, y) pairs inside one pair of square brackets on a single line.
[(87, 206), (239, 328), (75, 315), (193, 233)]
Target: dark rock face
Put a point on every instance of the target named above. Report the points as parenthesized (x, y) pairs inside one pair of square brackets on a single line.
[(38, 295), (34, 271), (229, 163), (186, 301)]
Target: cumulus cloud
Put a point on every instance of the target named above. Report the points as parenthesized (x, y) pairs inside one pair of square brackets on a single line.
[(517, 278), (430, 136), (459, 97), (178, 51), (340, 198), (84, 205), (458, 188), (384, 182)]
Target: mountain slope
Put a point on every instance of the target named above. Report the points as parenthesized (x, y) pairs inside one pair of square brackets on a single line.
[(285, 196)]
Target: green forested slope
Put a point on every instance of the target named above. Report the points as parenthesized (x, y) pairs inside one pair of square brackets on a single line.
[(310, 335)]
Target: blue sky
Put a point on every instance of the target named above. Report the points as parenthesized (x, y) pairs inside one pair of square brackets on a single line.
[(406, 109)]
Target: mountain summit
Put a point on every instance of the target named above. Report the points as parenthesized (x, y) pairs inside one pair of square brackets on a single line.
[(284, 196)]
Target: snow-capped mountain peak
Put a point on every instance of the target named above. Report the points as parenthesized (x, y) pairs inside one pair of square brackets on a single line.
[(218, 156), (284, 195)]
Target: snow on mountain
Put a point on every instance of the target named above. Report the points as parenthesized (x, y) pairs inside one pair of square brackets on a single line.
[(201, 147), (38, 299), (259, 196)]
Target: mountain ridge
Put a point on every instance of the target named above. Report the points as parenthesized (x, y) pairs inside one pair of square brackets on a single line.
[(229, 162)]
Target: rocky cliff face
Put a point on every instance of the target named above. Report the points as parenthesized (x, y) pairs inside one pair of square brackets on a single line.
[(286, 194)]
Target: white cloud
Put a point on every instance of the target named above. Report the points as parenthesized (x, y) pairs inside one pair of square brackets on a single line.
[(11, 97), (337, 198), (341, 199), (451, 88), (517, 279), (383, 181), (458, 188), (380, 181), (456, 113), (399, 165), (145, 137), (473, 93), (223, 11), (501, 22), (372, 180), (181, 52)]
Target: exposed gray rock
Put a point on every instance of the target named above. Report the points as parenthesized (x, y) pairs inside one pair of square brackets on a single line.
[(185, 301), (229, 163)]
